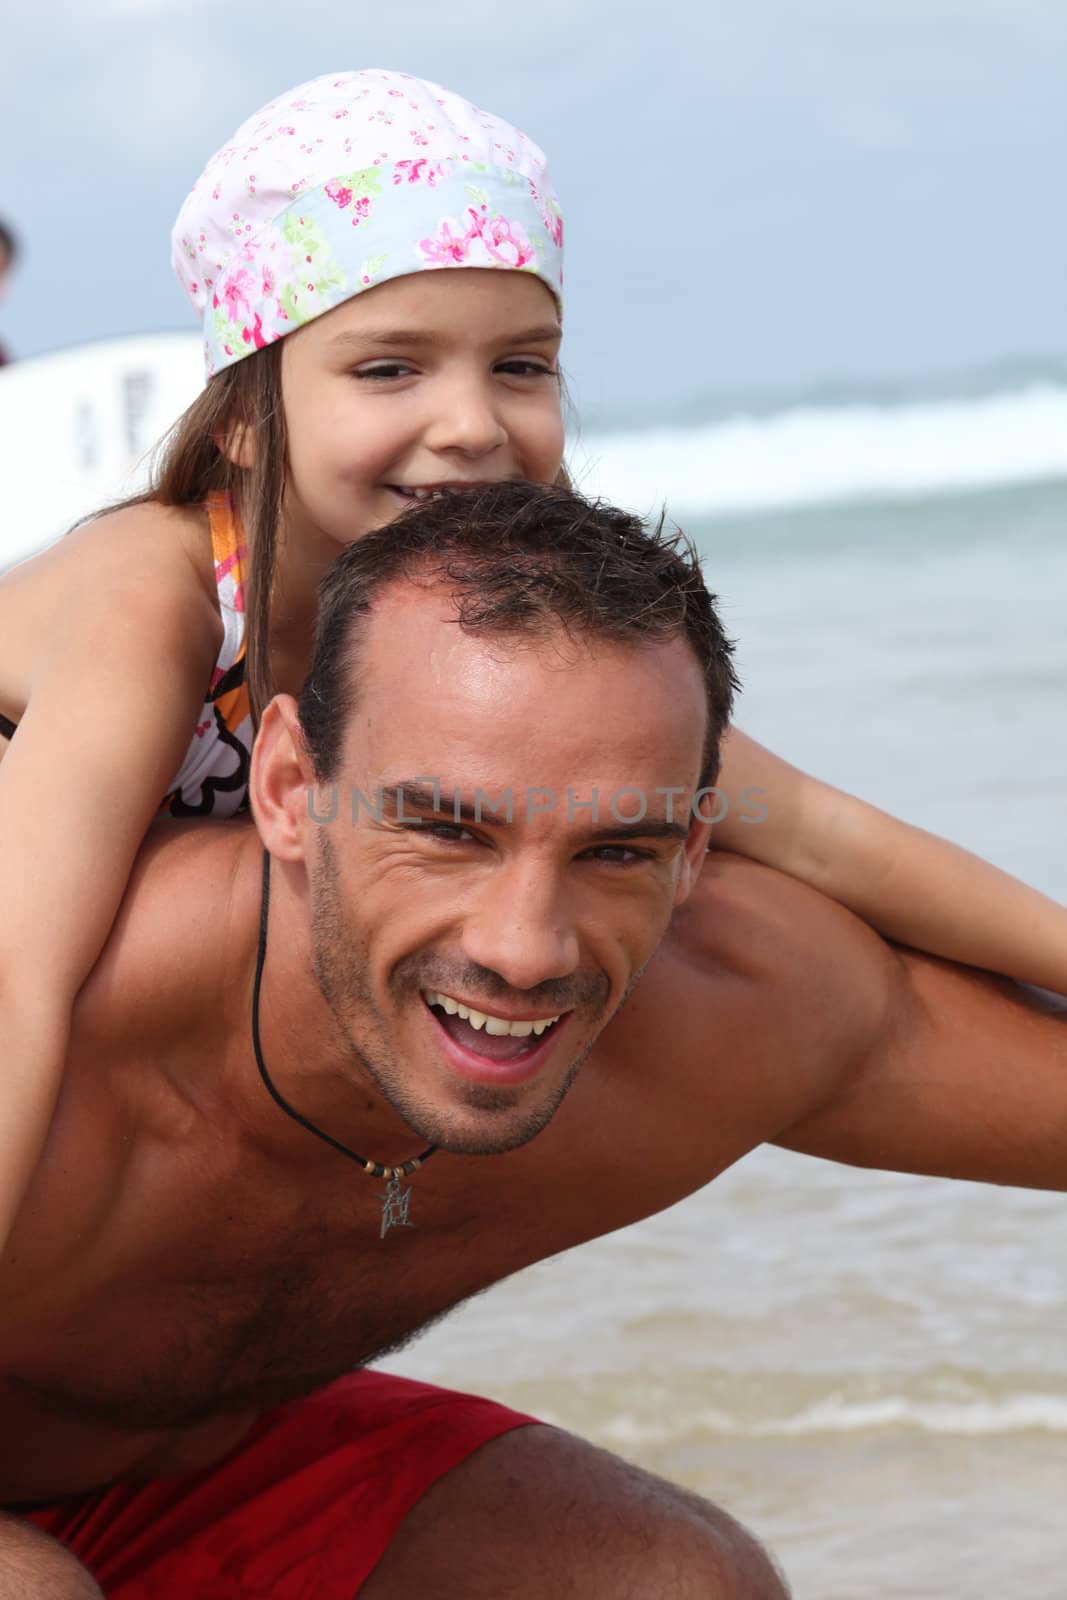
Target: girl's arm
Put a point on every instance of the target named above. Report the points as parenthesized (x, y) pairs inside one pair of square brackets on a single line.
[(911, 885), (121, 635)]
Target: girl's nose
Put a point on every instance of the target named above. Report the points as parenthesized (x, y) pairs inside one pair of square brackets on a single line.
[(467, 420)]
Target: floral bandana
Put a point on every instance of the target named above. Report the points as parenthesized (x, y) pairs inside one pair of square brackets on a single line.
[(346, 182)]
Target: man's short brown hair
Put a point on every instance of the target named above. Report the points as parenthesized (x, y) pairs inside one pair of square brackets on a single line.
[(521, 560)]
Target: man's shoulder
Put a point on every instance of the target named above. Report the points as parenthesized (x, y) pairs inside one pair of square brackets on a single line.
[(752, 920), (180, 918), (788, 982)]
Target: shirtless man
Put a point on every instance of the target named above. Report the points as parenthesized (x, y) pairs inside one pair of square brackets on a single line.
[(199, 1249)]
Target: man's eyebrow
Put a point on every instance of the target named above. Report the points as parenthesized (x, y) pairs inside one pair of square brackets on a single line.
[(405, 799), (640, 828), (414, 796), (391, 338), (440, 801)]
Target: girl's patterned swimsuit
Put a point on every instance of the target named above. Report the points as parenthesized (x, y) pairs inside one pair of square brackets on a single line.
[(213, 778)]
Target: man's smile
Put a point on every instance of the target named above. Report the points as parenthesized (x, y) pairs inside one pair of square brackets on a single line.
[(492, 1022), (487, 1048)]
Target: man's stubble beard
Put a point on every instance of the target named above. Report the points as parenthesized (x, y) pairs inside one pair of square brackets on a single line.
[(340, 961)]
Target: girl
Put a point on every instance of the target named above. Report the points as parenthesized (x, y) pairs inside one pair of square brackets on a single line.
[(330, 216)]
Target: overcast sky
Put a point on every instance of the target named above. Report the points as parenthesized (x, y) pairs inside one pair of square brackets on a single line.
[(756, 192)]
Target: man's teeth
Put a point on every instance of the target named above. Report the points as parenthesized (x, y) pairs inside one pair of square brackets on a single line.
[(481, 1019)]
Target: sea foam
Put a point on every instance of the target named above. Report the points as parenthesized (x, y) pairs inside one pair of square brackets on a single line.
[(809, 455), (77, 429)]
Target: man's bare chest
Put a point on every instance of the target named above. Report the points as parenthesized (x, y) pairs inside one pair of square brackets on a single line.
[(240, 1322), (160, 1357)]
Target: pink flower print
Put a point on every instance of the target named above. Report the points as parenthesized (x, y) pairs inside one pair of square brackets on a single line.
[(552, 221), (493, 242), (418, 138), (448, 247), (340, 196), (420, 170), (411, 170), (362, 206), (254, 334), (238, 292), (506, 242)]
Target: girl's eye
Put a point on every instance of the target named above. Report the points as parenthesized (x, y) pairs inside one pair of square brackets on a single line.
[(525, 369), (391, 369), (386, 370)]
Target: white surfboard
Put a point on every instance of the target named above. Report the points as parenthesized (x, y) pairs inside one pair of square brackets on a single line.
[(77, 428)]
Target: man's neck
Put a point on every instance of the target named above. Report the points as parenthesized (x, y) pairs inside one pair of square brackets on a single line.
[(303, 1065)]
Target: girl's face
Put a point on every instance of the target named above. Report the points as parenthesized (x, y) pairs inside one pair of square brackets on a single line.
[(437, 380)]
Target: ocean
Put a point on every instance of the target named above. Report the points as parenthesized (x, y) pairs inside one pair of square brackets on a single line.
[(869, 1370)]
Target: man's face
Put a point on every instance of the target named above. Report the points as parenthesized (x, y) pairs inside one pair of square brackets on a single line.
[(418, 917)]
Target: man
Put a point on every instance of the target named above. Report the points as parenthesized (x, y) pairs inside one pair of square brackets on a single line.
[(484, 826)]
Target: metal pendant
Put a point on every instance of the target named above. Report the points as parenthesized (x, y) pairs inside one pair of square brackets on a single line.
[(395, 1202)]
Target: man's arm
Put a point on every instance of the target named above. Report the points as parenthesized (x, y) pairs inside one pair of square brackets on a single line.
[(965, 1076)]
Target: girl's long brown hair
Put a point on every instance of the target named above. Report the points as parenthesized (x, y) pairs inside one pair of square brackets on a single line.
[(190, 465)]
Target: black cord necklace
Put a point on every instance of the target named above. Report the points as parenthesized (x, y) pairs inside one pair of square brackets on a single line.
[(395, 1198)]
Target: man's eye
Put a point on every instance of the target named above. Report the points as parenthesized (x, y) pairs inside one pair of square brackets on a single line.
[(447, 832), (618, 854)]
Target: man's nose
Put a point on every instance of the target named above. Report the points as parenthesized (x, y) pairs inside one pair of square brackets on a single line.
[(467, 418), (520, 928)]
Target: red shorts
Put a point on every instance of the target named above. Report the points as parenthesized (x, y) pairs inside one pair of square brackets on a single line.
[(302, 1509)]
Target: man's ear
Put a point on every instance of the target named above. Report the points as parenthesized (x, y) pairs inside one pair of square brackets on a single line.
[(280, 780), (694, 854), (237, 444)]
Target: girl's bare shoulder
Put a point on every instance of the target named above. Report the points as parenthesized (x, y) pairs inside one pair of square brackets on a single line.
[(133, 540), (141, 558)]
